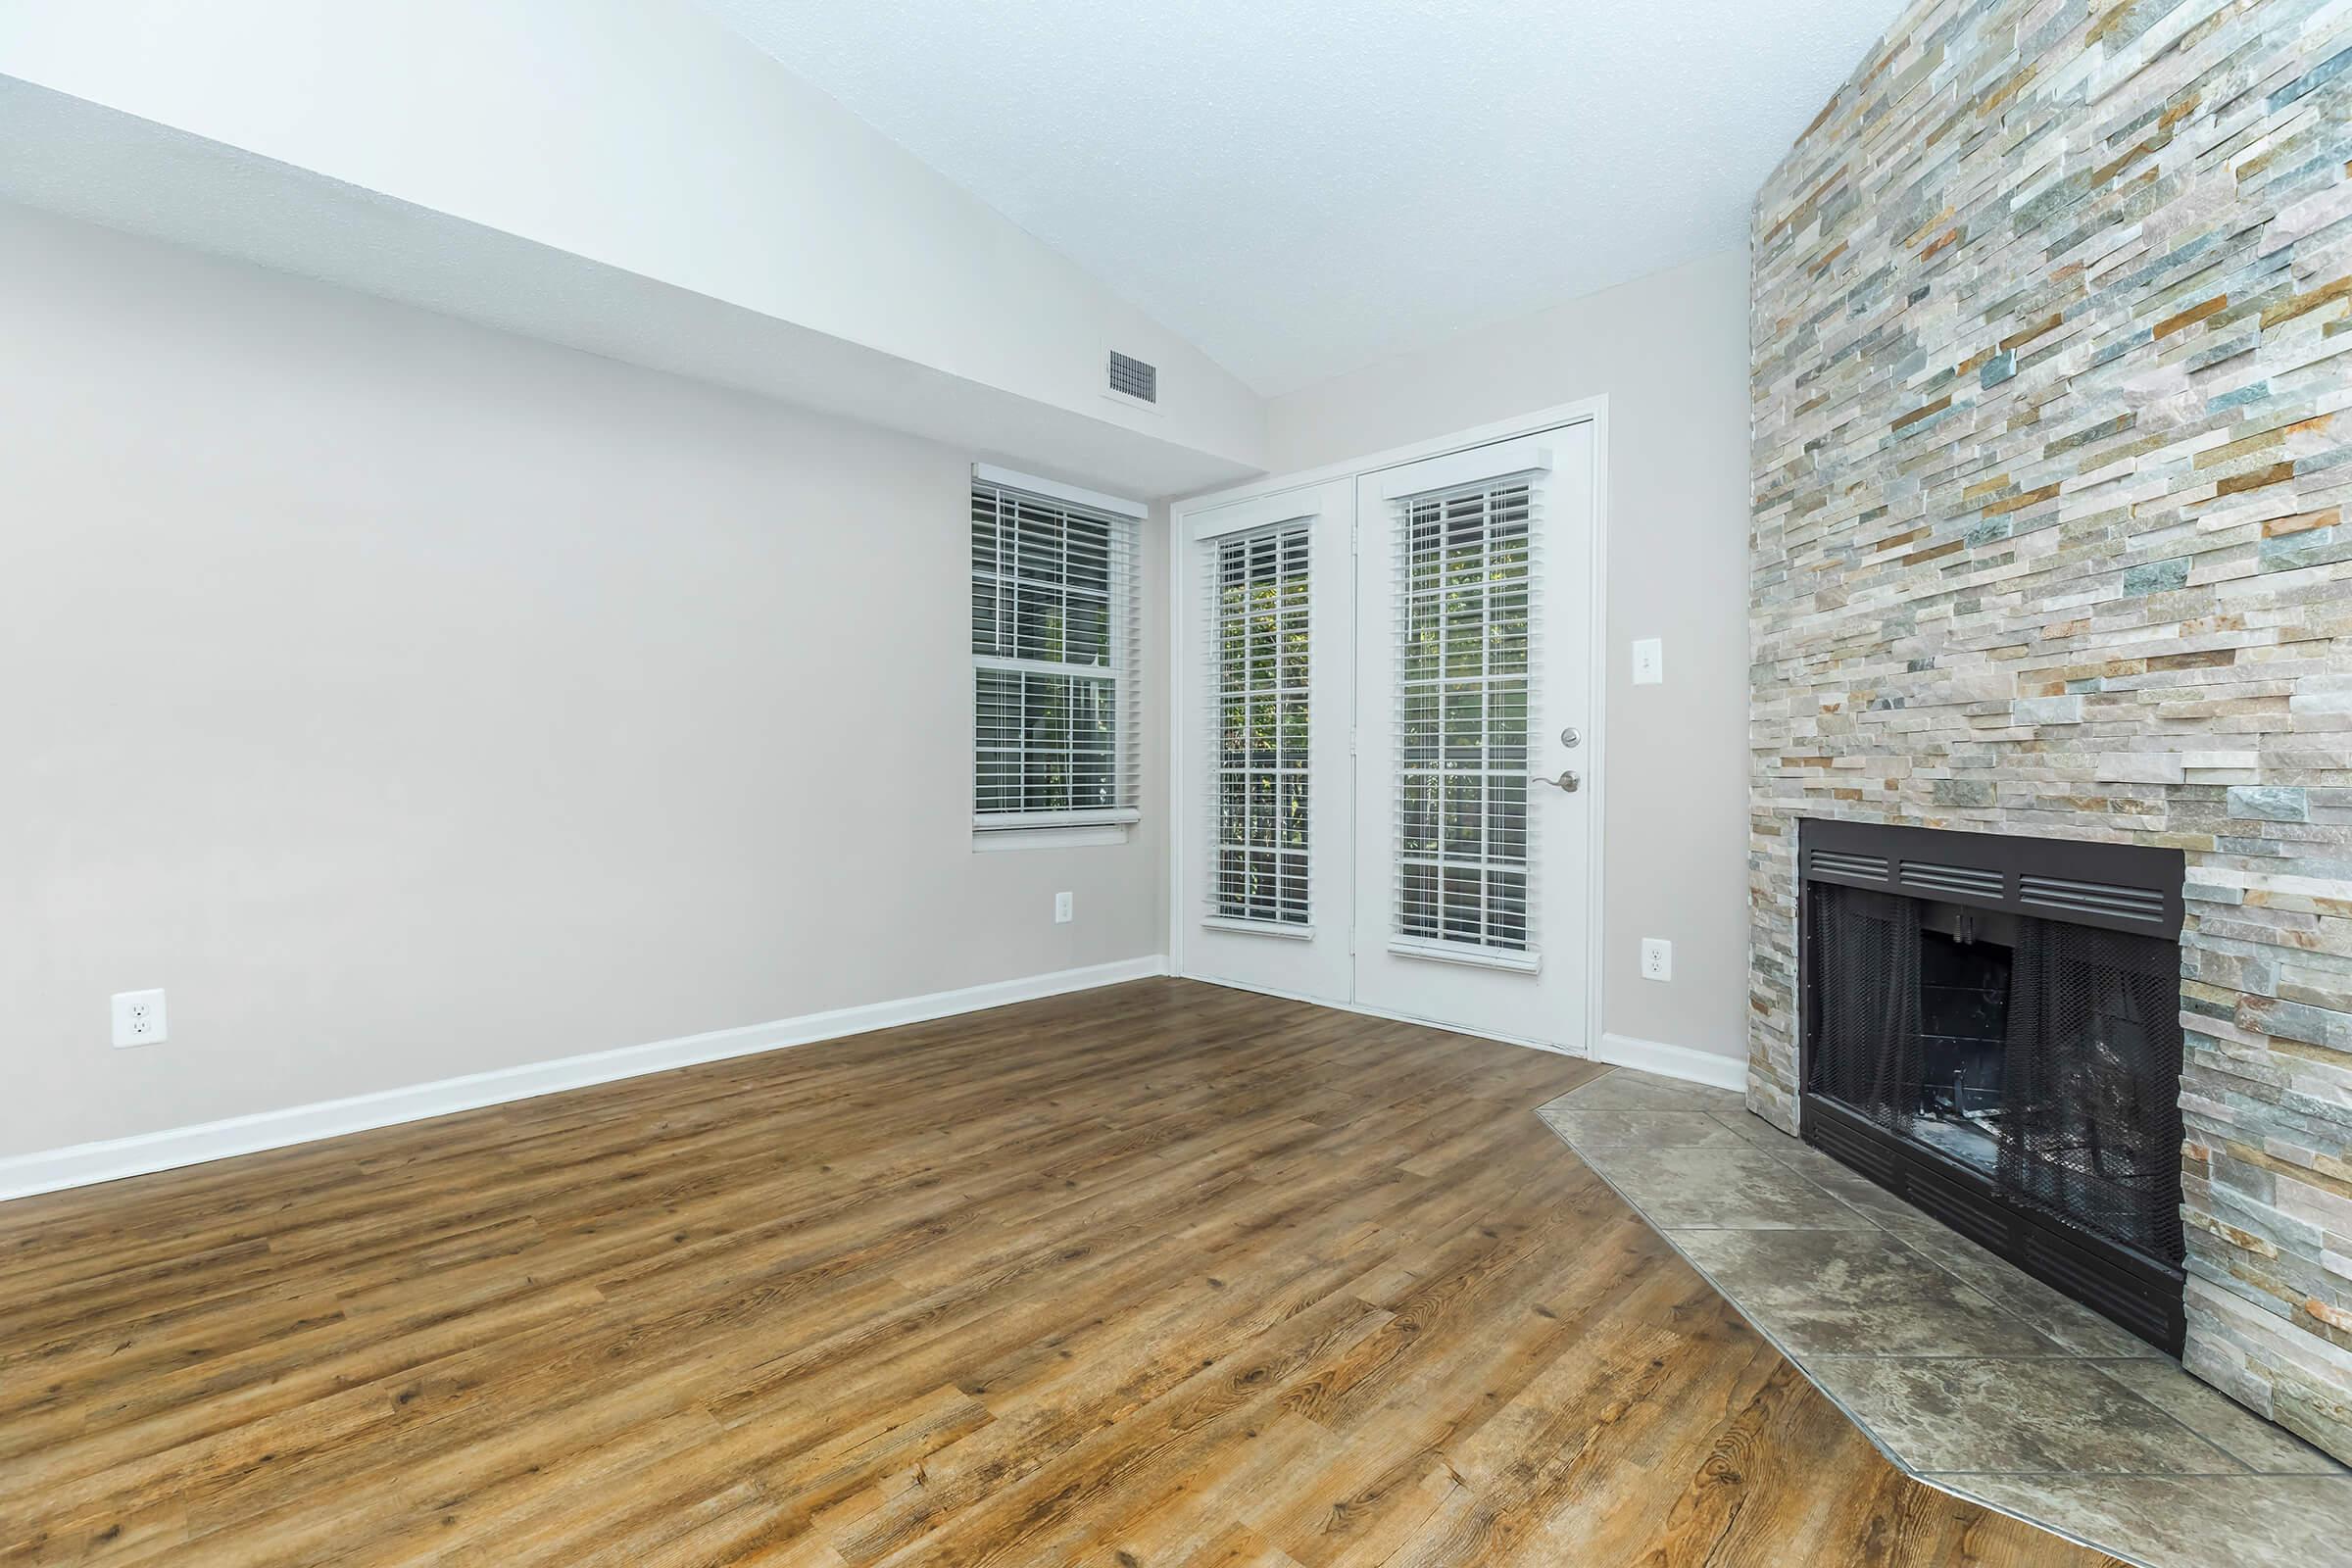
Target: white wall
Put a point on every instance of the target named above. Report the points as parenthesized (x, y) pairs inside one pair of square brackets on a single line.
[(411, 701), (644, 136), (1670, 352)]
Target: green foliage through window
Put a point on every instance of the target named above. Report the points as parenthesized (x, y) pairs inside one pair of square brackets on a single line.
[(1465, 584), (1259, 591), (1052, 601)]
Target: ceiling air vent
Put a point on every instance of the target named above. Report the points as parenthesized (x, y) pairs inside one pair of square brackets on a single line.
[(1132, 378)]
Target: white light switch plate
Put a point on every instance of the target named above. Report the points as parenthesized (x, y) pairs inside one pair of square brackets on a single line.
[(1649, 661), (138, 1017)]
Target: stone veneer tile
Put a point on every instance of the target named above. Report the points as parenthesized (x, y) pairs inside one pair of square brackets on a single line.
[(2051, 413)]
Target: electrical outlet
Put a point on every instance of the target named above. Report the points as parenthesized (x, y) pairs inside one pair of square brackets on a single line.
[(1064, 908), (138, 1017), (1657, 959), (1649, 661)]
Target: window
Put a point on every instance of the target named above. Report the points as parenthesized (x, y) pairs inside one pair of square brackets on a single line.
[(1257, 605), (1465, 620), (1053, 638)]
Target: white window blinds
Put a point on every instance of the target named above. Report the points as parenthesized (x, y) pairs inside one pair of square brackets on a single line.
[(1055, 632), (1260, 614), (1466, 623)]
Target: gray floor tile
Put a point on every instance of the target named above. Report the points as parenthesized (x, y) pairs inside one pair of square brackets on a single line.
[(2001, 1387), (2220, 1419), (1843, 1181), (1718, 1188), (2015, 1416), (2187, 1522), (1753, 1129), (1655, 1129), (1853, 1293), (2071, 1324), (1623, 1089)]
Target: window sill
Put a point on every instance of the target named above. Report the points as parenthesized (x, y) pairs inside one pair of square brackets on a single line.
[(1474, 957), (988, 840), (1258, 928)]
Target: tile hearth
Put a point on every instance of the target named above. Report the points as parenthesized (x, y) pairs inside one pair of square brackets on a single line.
[(1965, 1371)]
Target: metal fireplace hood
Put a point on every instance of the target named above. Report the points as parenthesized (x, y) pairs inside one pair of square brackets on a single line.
[(2120, 887)]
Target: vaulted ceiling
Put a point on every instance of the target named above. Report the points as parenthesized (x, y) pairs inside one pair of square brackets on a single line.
[(1301, 189)]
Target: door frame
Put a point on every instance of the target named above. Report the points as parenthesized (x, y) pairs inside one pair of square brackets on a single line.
[(1182, 648)]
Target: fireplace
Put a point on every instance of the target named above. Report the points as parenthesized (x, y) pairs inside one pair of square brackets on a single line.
[(1991, 1030)]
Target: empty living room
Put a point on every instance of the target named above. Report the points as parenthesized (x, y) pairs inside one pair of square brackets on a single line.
[(940, 785)]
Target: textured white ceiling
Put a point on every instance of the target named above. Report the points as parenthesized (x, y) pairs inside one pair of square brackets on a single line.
[(1302, 188)]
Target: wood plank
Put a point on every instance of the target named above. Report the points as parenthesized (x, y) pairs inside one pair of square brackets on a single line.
[(1148, 1277)]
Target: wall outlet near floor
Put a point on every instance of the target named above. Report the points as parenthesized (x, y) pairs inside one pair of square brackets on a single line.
[(1657, 959), (1064, 908), (138, 1017), (1649, 661)]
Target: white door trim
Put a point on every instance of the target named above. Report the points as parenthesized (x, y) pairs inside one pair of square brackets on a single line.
[(1181, 804)]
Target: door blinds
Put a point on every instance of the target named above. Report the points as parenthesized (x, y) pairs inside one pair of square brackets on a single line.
[(1258, 640), (1466, 627)]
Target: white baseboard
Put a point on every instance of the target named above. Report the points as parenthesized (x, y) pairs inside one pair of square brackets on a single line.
[(82, 1164), (1618, 1050), (1674, 1061), (1358, 1009)]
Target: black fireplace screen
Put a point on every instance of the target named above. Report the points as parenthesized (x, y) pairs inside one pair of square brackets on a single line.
[(1866, 1045), (2044, 1053)]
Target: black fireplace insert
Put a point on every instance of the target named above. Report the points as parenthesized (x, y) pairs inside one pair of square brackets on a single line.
[(1992, 1029)]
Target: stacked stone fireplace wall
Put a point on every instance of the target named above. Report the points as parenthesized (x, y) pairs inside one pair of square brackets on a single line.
[(2052, 456)]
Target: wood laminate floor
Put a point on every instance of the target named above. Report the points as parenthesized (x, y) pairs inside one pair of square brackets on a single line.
[(1158, 1275)]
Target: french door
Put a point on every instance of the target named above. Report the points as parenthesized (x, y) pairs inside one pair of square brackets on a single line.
[(1418, 741), (1269, 620), (1473, 656)]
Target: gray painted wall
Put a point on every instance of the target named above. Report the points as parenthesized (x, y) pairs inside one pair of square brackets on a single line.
[(1671, 354), (411, 701)]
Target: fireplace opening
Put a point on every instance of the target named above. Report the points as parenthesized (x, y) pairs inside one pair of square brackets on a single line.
[(1963, 1021), (1993, 1030)]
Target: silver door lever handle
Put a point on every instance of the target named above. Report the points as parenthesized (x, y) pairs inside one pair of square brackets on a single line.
[(1566, 783)]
